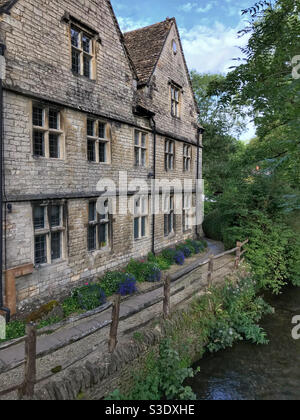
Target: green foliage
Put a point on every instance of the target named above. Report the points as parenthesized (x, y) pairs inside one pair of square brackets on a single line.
[(48, 322), (110, 283), (14, 329), (169, 255), (89, 297), (163, 377), (71, 306), (142, 271), (213, 225)]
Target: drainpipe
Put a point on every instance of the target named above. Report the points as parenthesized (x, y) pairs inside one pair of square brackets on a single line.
[(154, 178), (199, 145), (2, 76)]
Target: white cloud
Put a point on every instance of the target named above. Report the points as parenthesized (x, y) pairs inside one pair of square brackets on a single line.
[(205, 9), (211, 48), (189, 7), (128, 24)]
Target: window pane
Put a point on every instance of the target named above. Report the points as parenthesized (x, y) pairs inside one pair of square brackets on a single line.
[(137, 156), (137, 138), (90, 128), (40, 253), (53, 119), (166, 162), (54, 146), (143, 157), (87, 66), (170, 162), (144, 220), (102, 127), (37, 116), (38, 143), (137, 206), (86, 43), (103, 235), (102, 152), (75, 61), (143, 140), (105, 216), (92, 211), (136, 228), (75, 37), (91, 238), (91, 150), (55, 216), (166, 225), (171, 222), (55, 246), (39, 217)]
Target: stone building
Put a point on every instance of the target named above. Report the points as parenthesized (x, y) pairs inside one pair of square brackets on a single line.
[(82, 102)]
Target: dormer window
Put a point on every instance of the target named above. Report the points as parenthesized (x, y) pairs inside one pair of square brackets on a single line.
[(82, 53)]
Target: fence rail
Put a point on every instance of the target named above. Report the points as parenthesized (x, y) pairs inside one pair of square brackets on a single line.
[(26, 389)]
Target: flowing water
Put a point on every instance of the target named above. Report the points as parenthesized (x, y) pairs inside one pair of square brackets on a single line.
[(251, 372)]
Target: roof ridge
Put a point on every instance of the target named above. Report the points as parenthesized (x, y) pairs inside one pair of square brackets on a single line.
[(151, 26)]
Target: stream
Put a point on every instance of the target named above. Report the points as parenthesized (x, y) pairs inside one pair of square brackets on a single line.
[(251, 372)]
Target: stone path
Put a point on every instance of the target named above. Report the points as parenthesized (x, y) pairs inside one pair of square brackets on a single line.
[(70, 344)]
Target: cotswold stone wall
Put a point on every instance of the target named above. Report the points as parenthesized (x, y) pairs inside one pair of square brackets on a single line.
[(38, 57)]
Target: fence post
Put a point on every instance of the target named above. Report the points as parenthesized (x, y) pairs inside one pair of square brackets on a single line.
[(27, 388), (238, 254), (113, 335), (210, 272), (167, 295)]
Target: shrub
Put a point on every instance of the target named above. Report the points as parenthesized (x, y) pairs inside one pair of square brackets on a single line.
[(179, 258), (213, 225), (127, 286), (71, 306), (90, 297), (110, 283), (169, 255), (136, 268), (153, 274), (163, 263), (160, 261), (144, 271), (187, 252)]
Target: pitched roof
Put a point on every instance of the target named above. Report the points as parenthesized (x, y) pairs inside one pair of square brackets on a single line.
[(145, 46)]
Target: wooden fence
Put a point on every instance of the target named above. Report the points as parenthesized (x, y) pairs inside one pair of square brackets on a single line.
[(26, 389)]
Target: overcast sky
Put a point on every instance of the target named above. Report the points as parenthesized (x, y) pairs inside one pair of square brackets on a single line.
[(208, 29)]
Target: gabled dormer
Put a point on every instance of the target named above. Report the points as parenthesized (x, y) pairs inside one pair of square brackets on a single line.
[(164, 83)]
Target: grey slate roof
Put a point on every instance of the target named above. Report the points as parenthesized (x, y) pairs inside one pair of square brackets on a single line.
[(145, 46)]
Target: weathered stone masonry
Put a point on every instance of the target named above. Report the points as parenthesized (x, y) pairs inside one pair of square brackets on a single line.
[(38, 71)]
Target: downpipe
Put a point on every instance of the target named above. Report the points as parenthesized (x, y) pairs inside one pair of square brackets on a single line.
[(2, 76)]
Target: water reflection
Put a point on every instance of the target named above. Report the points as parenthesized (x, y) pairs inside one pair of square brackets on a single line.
[(250, 372)]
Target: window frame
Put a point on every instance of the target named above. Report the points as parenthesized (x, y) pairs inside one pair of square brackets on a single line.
[(47, 131), (48, 231), (97, 140), (169, 215), (169, 155), (187, 158), (175, 93), (141, 212), (79, 49), (140, 148), (186, 211), (96, 224)]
